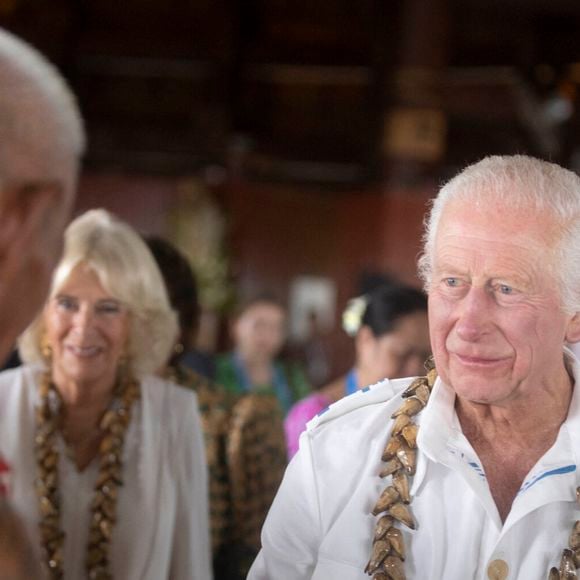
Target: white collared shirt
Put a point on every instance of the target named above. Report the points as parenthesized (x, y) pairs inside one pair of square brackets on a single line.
[(320, 526), (162, 529)]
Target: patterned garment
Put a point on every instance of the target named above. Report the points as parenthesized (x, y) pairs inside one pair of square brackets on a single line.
[(246, 455), (215, 408), (293, 388)]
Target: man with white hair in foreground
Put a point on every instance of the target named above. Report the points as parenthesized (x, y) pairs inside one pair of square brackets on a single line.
[(41, 143), (470, 472)]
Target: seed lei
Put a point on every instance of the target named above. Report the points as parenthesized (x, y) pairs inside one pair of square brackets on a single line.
[(113, 425)]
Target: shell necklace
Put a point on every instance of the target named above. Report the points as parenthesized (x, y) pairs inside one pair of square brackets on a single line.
[(113, 426), (400, 457)]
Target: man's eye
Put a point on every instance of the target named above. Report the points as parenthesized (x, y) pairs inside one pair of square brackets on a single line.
[(505, 289), (452, 282)]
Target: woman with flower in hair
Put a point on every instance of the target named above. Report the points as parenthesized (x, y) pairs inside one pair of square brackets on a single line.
[(107, 465), (391, 340)]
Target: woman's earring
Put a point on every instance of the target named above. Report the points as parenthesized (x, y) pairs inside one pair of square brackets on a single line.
[(46, 350)]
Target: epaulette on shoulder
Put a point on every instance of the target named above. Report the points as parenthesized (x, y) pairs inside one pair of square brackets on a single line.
[(378, 393)]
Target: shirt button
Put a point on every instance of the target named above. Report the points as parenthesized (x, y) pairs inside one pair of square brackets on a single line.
[(498, 570)]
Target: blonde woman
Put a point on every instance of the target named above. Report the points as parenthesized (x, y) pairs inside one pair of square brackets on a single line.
[(107, 465)]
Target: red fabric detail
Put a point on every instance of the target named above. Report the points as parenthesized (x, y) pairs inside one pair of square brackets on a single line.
[(4, 471)]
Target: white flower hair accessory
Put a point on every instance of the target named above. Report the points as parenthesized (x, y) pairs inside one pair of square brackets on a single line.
[(353, 313)]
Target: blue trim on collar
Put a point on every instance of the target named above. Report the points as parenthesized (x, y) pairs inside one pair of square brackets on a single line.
[(558, 471), (477, 468)]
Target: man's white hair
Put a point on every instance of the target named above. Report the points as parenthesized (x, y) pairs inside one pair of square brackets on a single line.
[(127, 270), (518, 182), (40, 124)]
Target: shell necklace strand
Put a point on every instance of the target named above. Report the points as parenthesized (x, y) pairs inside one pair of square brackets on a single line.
[(113, 426), (400, 457)]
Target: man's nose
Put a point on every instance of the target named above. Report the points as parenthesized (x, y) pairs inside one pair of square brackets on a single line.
[(474, 314)]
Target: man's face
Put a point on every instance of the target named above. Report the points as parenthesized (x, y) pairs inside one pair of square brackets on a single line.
[(496, 324)]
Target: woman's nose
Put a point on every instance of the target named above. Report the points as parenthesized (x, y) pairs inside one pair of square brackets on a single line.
[(83, 318)]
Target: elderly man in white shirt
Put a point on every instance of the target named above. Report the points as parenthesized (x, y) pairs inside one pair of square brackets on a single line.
[(470, 472)]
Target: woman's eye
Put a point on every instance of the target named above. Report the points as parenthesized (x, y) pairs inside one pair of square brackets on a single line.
[(109, 308), (66, 303)]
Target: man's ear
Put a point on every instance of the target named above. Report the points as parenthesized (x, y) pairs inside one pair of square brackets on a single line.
[(573, 329)]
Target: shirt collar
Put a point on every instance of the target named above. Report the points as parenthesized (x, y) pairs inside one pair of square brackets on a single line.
[(573, 420)]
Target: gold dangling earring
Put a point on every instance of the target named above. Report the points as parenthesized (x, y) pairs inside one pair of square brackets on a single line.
[(46, 350)]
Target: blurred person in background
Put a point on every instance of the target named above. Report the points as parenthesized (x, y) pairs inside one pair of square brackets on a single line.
[(244, 435), (41, 143), (109, 471), (215, 404), (259, 333), (391, 340), (184, 297)]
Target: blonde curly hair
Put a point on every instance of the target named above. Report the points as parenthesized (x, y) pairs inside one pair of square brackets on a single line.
[(127, 270)]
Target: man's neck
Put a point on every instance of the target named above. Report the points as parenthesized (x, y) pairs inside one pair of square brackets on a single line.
[(6, 347), (510, 439), (520, 421)]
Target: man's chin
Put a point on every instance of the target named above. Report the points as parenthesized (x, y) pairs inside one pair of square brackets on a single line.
[(482, 392)]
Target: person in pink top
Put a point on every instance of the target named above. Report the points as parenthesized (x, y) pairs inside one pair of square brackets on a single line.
[(391, 340)]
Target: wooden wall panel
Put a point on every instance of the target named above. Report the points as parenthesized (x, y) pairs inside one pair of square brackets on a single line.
[(280, 233), (400, 242), (141, 200)]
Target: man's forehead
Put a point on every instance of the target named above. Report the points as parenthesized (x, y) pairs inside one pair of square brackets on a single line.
[(498, 221)]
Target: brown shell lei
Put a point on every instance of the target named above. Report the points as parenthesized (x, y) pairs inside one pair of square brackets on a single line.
[(113, 426), (400, 456), (570, 560)]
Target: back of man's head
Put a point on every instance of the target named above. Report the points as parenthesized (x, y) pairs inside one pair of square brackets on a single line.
[(40, 127), (41, 143)]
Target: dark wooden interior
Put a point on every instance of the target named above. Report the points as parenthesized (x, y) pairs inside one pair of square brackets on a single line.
[(321, 128)]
